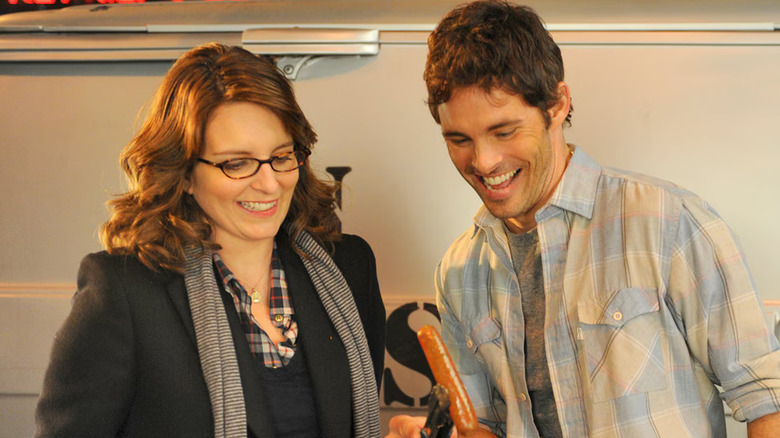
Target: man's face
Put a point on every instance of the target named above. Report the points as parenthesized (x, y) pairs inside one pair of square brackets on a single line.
[(501, 146)]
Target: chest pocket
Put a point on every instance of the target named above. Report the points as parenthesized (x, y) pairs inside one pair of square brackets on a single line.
[(484, 332), (479, 370), (624, 341)]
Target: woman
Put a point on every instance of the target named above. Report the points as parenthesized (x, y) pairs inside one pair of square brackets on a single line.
[(227, 303)]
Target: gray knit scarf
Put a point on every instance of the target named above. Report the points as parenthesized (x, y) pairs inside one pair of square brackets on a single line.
[(218, 355)]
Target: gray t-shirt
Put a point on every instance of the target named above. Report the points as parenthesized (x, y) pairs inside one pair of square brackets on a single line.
[(528, 266)]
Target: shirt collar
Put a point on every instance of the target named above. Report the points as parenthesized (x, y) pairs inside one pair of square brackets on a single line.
[(279, 298), (576, 192)]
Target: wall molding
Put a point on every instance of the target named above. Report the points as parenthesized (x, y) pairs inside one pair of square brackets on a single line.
[(37, 286), (37, 290)]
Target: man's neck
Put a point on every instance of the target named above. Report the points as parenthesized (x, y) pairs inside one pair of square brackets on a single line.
[(520, 225), (527, 222)]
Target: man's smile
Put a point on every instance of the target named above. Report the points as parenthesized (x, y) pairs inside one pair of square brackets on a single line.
[(499, 182)]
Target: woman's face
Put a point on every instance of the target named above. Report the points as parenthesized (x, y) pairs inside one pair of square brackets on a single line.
[(250, 210)]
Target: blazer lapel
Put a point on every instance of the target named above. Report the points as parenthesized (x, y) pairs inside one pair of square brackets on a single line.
[(177, 292), (325, 356)]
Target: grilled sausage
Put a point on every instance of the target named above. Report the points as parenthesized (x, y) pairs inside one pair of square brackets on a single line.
[(463, 415)]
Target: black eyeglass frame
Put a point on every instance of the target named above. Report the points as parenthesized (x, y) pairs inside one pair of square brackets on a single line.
[(300, 155)]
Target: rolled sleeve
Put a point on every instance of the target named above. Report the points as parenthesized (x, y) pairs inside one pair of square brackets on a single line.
[(714, 293)]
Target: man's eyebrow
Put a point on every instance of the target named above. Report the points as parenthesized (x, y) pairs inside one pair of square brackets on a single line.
[(499, 125), (453, 134), (505, 123)]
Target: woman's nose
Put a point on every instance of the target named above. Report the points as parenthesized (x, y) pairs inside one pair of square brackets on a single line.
[(265, 179)]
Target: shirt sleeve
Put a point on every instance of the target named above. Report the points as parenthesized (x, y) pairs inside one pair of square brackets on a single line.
[(471, 371), (88, 385), (715, 299)]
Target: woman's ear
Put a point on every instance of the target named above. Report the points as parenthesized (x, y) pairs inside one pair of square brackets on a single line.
[(560, 110), (188, 184)]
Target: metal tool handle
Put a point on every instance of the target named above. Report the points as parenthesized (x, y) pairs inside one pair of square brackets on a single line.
[(439, 422)]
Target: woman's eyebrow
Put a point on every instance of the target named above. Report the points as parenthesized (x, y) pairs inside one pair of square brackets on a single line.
[(284, 145)]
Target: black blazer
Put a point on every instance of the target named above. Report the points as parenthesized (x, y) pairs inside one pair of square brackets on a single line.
[(125, 362)]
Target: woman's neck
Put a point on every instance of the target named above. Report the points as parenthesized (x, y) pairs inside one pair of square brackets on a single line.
[(249, 262)]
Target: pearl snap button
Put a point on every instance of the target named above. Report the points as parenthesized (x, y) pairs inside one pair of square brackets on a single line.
[(617, 316)]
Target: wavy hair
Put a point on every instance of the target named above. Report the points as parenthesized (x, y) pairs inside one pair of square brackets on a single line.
[(156, 220), (494, 44)]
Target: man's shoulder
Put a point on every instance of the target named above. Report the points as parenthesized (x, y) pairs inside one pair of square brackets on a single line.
[(610, 174), (644, 194), (639, 185), (464, 246)]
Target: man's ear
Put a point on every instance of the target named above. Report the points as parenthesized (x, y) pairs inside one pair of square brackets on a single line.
[(560, 110)]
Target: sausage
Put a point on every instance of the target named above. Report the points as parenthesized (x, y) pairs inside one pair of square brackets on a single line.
[(462, 411)]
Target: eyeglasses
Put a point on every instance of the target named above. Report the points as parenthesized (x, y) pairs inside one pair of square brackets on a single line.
[(239, 168)]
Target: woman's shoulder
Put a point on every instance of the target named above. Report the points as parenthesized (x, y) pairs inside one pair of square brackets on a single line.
[(352, 242), (352, 250), (107, 260), (125, 265), (352, 245)]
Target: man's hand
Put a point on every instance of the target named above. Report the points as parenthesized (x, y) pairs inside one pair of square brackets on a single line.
[(404, 426)]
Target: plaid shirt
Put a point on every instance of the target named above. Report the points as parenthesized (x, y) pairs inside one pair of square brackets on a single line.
[(281, 312), (649, 306)]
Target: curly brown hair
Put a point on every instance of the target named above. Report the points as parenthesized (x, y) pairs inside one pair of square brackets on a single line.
[(156, 220), (494, 44)]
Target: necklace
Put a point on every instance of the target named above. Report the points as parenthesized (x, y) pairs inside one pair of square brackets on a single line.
[(256, 296)]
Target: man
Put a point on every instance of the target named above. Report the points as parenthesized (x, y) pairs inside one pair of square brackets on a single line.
[(585, 301)]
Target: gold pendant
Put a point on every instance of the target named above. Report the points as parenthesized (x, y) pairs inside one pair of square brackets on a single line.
[(256, 296)]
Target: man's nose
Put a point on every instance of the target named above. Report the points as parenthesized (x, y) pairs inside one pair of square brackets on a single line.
[(486, 158)]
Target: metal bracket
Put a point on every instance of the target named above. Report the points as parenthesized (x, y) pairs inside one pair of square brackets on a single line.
[(291, 65)]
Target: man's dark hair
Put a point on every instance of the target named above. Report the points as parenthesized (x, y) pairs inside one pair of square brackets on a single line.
[(494, 44)]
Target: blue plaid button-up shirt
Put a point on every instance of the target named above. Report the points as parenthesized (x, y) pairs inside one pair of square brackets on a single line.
[(651, 314)]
